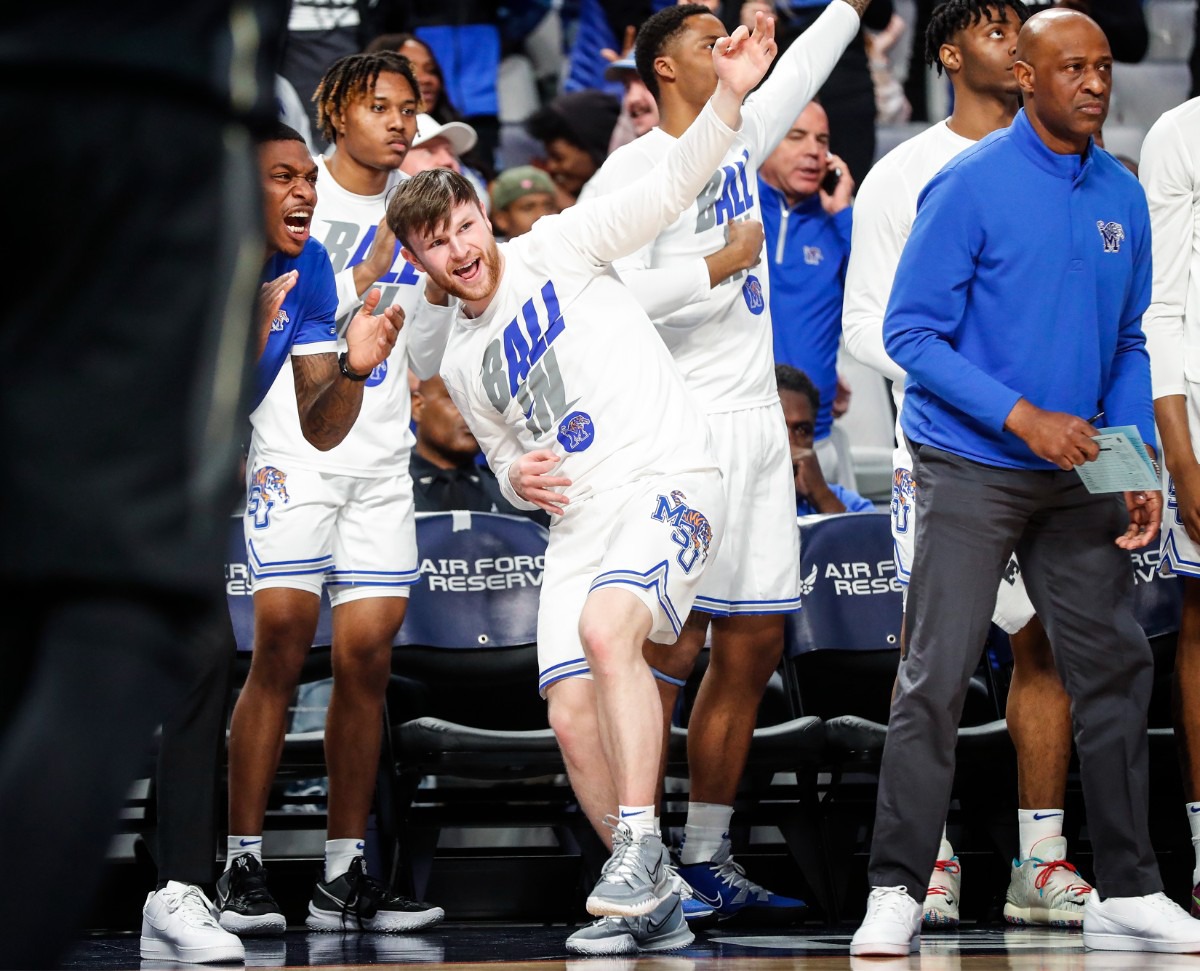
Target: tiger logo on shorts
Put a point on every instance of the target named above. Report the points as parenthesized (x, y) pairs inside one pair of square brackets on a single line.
[(692, 530), (904, 494), (268, 486)]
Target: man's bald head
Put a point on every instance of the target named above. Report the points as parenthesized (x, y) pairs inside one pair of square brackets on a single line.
[(1064, 70), (1043, 32)]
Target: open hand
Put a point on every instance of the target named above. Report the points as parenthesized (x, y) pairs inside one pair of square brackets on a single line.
[(741, 60), (370, 337), (531, 479), (1145, 516)]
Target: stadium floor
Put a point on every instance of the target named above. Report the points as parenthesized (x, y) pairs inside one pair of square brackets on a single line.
[(521, 948)]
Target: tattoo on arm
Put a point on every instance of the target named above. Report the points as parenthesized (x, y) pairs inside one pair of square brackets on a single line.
[(859, 6), (327, 402)]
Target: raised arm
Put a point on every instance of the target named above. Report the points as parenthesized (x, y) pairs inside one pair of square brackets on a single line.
[(615, 225)]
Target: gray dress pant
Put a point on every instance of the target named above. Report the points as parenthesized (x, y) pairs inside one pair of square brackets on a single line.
[(971, 517)]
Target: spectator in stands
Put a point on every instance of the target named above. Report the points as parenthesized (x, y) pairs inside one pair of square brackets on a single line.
[(119, 474), (996, 430), (445, 471), (806, 192), (443, 146), (339, 505), (318, 33), (717, 324), (639, 113), (1170, 174), (849, 93), (520, 197), (801, 404), (574, 130)]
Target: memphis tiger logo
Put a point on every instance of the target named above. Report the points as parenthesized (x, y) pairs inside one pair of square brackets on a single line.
[(268, 487), (692, 530), (576, 432), (904, 495), (280, 321), (752, 293), (1112, 233)]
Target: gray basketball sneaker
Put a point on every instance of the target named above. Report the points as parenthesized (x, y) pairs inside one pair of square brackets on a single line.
[(636, 878), (663, 929)]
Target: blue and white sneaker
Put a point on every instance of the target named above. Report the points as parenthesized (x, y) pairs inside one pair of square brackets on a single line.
[(722, 884)]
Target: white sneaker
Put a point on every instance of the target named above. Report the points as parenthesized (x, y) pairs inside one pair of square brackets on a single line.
[(1046, 889), (892, 925), (179, 923), (1150, 923), (941, 899)]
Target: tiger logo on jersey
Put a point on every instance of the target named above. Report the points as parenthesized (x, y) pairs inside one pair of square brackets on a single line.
[(1112, 233), (280, 321), (268, 486), (904, 494), (692, 530), (576, 432), (752, 293)]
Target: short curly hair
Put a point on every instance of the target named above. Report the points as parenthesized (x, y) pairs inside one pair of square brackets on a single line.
[(954, 15), (354, 76), (656, 34)]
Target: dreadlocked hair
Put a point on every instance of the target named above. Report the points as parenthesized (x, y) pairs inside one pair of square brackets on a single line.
[(354, 76), (656, 33), (953, 15)]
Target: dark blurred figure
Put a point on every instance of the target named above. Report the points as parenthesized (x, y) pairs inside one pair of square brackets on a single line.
[(138, 268), (575, 129), (443, 464), (1123, 23)]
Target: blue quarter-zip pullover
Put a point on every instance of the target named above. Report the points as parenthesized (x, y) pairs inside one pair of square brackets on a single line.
[(1026, 275)]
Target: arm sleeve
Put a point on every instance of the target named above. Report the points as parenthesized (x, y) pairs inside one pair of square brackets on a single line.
[(797, 76), (317, 331), (1166, 176), (1127, 398), (624, 221), (876, 241), (428, 331), (663, 290), (499, 444), (929, 299)]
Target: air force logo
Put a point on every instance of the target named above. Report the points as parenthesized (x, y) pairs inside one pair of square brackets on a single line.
[(693, 532), (576, 432), (268, 486), (1112, 233), (280, 321)]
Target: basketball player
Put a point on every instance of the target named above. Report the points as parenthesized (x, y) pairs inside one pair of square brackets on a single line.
[(541, 361)]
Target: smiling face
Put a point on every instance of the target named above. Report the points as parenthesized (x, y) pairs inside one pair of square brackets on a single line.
[(377, 127), (639, 105), (459, 255), (798, 164), (1064, 68), (289, 185)]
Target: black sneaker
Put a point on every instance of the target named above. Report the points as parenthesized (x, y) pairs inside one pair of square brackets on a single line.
[(246, 904), (357, 902)]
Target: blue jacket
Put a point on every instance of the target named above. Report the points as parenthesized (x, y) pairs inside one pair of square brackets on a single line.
[(307, 314), (808, 250), (1026, 275)]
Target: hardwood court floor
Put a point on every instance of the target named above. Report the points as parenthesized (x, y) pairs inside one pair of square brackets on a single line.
[(507, 947)]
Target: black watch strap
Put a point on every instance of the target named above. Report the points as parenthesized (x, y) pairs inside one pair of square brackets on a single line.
[(344, 367)]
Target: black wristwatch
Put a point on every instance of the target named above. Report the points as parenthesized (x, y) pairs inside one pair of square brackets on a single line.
[(344, 367)]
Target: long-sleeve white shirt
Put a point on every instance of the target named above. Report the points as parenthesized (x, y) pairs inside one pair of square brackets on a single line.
[(1169, 171), (565, 358), (722, 339), (884, 210)]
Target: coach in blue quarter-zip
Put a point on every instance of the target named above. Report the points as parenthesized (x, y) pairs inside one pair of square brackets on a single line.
[(1015, 323)]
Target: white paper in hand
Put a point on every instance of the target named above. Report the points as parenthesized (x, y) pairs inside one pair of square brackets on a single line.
[(1123, 464)]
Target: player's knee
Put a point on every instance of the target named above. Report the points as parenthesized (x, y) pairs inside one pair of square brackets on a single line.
[(571, 710), (364, 666)]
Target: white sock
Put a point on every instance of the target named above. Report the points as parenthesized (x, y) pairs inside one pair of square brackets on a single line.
[(1193, 813), (339, 854), (945, 850), (640, 819), (236, 846), (706, 832), (1037, 824)]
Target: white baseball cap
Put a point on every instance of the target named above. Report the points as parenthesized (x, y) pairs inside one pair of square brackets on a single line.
[(461, 136)]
